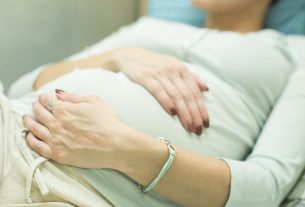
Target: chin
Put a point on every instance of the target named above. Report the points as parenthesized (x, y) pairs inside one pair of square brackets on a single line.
[(208, 5), (200, 4), (220, 6)]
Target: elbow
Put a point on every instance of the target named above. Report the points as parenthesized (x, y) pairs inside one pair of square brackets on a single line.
[(253, 184)]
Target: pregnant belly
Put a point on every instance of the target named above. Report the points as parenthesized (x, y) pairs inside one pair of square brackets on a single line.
[(138, 109)]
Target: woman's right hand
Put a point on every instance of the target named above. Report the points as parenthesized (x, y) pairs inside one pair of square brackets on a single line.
[(177, 89)]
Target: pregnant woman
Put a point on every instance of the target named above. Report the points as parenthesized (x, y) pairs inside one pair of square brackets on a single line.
[(234, 155)]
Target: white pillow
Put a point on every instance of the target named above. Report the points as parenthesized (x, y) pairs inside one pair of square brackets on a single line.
[(297, 49)]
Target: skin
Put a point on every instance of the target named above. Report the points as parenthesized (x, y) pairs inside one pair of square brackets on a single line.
[(165, 77), (234, 15), (80, 128)]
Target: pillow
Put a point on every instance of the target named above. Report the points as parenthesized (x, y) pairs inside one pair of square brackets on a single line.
[(296, 47), (287, 16), (176, 10)]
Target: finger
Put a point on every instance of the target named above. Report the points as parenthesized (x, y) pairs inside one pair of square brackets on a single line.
[(157, 90), (202, 86), (43, 115), (47, 101), (204, 112), (39, 146), (191, 104), (37, 129), (69, 97), (180, 106), (198, 97)]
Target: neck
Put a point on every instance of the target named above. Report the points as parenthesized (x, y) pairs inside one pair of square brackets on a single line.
[(233, 24), (248, 21)]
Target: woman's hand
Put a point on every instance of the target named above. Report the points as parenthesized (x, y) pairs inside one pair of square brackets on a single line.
[(77, 129), (169, 81), (166, 78)]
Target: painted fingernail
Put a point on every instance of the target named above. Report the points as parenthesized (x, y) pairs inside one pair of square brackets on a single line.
[(59, 91), (208, 89), (173, 111), (199, 131), (206, 123)]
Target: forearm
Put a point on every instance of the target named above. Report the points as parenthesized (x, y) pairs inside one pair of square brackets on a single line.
[(192, 180), (53, 71)]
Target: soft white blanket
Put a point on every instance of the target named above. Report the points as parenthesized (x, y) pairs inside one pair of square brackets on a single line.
[(30, 180)]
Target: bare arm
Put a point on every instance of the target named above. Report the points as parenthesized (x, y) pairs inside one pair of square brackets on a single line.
[(53, 71), (192, 180), (177, 89)]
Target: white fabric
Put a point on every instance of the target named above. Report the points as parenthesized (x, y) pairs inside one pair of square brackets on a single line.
[(297, 49), (22, 86), (30, 180), (240, 71)]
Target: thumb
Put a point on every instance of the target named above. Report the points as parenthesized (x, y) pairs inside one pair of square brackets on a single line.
[(69, 97)]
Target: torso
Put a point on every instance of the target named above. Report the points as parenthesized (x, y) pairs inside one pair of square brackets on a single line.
[(245, 74)]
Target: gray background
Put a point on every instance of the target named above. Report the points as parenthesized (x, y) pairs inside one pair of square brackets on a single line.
[(35, 32)]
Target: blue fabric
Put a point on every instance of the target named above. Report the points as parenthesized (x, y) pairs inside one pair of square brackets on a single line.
[(176, 10), (287, 16)]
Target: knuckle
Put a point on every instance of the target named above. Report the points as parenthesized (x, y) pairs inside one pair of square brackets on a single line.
[(56, 127), (34, 129), (57, 142), (60, 156), (184, 68), (144, 75), (142, 80), (187, 93), (38, 115), (176, 95), (59, 109), (156, 89), (169, 69)]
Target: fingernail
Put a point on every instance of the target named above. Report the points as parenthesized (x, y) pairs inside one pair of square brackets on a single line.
[(23, 116), (173, 111), (206, 123), (208, 89), (59, 91), (199, 131)]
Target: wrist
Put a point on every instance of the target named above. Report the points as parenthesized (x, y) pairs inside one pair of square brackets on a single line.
[(111, 60), (142, 157), (117, 58)]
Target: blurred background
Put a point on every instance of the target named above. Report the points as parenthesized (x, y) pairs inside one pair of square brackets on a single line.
[(35, 32)]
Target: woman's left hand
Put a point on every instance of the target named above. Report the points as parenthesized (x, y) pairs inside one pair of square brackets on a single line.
[(75, 131)]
